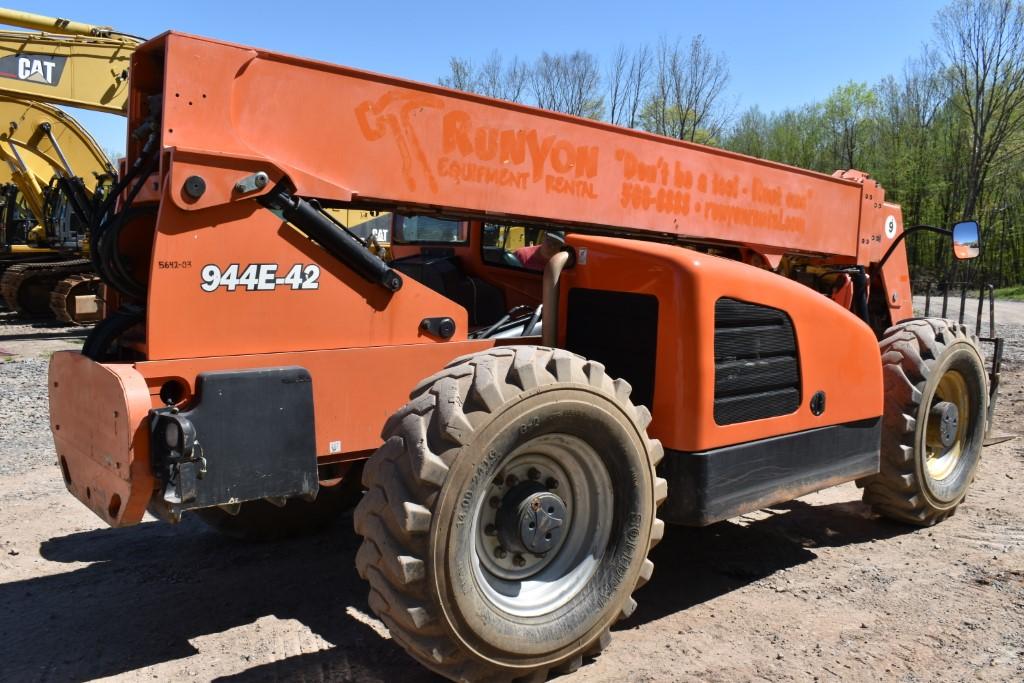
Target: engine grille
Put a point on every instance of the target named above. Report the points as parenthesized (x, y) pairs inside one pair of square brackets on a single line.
[(757, 371)]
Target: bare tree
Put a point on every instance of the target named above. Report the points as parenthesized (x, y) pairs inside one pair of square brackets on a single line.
[(685, 100), (568, 83), (618, 75), (628, 79), (494, 79), (490, 76), (460, 75), (655, 114), (637, 83), (517, 78), (983, 43), (698, 85)]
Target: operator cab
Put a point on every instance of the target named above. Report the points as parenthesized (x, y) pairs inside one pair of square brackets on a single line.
[(492, 270)]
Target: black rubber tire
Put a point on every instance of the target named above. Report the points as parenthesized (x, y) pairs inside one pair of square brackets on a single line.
[(259, 520), (915, 356), (441, 450)]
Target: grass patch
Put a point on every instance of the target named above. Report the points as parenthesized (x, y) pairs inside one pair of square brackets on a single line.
[(1015, 293)]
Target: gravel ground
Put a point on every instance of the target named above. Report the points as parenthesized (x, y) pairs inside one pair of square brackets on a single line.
[(24, 411), (815, 589)]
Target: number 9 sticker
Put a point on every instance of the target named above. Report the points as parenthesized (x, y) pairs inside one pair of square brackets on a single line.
[(890, 227), (259, 277)]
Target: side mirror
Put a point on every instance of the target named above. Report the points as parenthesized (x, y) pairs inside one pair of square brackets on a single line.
[(966, 240)]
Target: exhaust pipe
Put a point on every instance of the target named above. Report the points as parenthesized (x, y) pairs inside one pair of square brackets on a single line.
[(549, 314)]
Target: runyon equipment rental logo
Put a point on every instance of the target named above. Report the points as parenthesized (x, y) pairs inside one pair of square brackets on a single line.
[(42, 69)]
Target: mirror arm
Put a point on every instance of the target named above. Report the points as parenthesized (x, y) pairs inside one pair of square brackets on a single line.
[(907, 231)]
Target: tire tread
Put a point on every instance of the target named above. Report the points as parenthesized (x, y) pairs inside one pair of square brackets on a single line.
[(406, 473)]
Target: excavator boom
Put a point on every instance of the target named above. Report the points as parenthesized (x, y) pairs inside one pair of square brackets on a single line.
[(70, 63), (51, 160), (47, 142), (41, 22)]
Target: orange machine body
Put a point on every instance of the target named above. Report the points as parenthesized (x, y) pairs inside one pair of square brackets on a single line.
[(632, 202)]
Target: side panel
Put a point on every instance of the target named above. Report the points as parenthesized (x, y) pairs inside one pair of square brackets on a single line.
[(391, 142), (192, 313), (838, 353)]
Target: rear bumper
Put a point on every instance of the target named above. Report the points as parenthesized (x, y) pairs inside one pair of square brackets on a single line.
[(99, 420), (251, 435)]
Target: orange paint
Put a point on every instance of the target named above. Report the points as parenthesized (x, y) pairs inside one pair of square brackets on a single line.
[(838, 353), (231, 286)]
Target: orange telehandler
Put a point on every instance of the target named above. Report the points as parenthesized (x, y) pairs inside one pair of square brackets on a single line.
[(711, 334)]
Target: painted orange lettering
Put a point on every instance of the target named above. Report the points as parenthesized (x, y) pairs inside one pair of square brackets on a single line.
[(562, 156), (456, 129), (538, 152), (586, 162), (512, 146), (486, 143)]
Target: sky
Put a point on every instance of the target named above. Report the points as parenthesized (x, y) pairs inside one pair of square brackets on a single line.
[(781, 53)]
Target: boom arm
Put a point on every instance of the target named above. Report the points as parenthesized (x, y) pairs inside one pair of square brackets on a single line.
[(41, 22), (71, 63), (380, 141), (38, 142)]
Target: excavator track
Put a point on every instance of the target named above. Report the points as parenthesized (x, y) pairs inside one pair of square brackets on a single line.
[(30, 288), (75, 299)]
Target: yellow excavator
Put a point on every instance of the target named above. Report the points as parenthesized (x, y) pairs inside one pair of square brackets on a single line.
[(53, 175), (65, 62)]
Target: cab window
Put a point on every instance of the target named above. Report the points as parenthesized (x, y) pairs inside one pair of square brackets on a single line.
[(429, 230), (519, 246)]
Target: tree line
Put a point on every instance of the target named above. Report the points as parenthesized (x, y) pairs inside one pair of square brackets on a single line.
[(945, 137)]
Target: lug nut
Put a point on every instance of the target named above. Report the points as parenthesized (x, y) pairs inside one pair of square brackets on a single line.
[(519, 561), (533, 474), (490, 530), (499, 480), (500, 553), (551, 483), (511, 480), (494, 502)]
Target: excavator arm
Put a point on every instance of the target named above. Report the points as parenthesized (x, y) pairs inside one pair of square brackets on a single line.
[(65, 62), (39, 142), (56, 166)]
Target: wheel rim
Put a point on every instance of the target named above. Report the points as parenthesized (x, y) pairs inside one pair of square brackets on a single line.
[(948, 421), (547, 477)]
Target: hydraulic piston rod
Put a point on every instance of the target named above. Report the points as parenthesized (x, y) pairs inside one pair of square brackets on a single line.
[(336, 241)]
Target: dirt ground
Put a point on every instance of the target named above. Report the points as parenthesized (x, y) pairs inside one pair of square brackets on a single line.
[(815, 589)]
